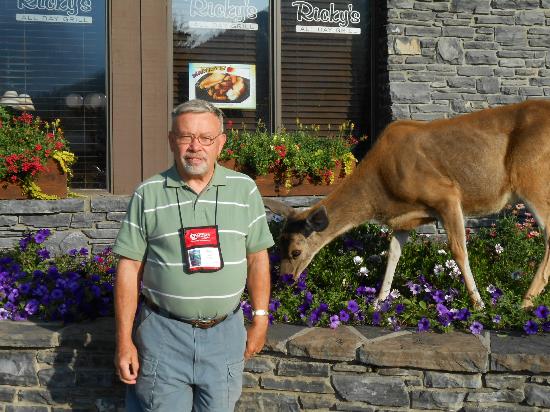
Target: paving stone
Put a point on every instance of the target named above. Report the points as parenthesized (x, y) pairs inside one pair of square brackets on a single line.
[(505, 381), (291, 368), (86, 219), (322, 343), (29, 334), (116, 216), (502, 395), (108, 225), (101, 233), (453, 352), (57, 220), (278, 335), (448, 401), (8, 220), (374, 390), (31, 207), (259, 364), (317, 385), (317, 401), (109, 203), (267, 402), (510, 353), (452, 380), (410, 93), (537, 395), (17, 368)]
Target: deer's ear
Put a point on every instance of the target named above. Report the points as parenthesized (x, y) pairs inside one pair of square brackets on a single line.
[(318, 220), (279, 207)]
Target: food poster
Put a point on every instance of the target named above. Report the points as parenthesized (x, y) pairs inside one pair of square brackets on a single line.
[(230, 86)]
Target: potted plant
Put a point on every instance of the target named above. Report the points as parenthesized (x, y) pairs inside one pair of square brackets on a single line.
[(34, 158), (288, 160)]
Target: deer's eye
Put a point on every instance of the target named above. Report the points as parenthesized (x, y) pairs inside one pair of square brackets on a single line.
[(296, 253)]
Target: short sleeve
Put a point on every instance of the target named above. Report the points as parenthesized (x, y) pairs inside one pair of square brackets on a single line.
[(131, 241), (258, 237)]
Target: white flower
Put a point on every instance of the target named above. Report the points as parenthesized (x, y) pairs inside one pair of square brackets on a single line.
[(450, 264), (438, 269), (498, 248), (441, 252), (456, 272), (491, 288), (395, 293), (344, 282), (384, 230), (363, 271), (384, 253), (357, 260)]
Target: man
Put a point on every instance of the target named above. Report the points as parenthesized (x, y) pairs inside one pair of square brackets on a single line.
[(193, 235)]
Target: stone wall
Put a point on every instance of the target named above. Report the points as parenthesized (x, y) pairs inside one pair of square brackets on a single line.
[(455, 56), (51, 368)]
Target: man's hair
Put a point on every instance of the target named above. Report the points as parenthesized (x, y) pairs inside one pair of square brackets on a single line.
[(197, 106)]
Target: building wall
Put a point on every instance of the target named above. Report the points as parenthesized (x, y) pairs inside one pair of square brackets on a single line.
[(457, 56)]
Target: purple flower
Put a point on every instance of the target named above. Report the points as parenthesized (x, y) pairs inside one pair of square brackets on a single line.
[(314, 317), (274, 305), (323, 307), (353, 244), (353, 307), (274, 258), (541, 312), (414, 288), (531, 327), (83, 251), (400, 308), (497, 318), (39, 237), (32, 306), (546, 326), (287, 279), (43, 254), (20, 315), (385, 306), (25, 288), (96, 291), (361, 290), (308, 297), (344, 316), (4, 314), (24, 242), (247, 309), (40, 290), (62, 309), (476, 328), (423, 325), (72, 252), (376, 318), (56, 294), (438, 296), (463, 314), (14, 294), (394, 323), (334, 322), (441, 309)]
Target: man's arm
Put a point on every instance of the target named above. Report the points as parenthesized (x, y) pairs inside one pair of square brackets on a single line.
[(128, 278), (258, 282)]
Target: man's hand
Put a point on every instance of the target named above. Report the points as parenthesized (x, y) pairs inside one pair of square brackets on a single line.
[(256, 335), (127, 363)]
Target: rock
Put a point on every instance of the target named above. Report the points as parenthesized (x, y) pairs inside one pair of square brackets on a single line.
[(448, 401), (374, 390), (520, 353), (17, 368), (322, 343)]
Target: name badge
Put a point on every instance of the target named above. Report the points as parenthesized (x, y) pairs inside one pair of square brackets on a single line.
[(202, 249)]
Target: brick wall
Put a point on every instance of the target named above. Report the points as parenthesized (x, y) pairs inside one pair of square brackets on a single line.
[(51, 368)]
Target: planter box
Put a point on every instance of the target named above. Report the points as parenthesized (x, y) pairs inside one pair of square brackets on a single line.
[(267, 186), (52, 181)]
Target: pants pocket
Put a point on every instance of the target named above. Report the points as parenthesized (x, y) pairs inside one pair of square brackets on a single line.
[(145, 384), (234, 382)]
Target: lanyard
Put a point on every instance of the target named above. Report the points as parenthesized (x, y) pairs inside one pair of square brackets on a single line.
[(215, 208)]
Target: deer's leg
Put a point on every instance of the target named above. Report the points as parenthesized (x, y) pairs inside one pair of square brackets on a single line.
[(394, 253), (453, 221), (540, 280)]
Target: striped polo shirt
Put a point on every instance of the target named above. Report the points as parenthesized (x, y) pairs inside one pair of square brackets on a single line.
[(150, 233)]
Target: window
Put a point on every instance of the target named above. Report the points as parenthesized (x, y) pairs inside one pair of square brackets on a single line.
[(55, 52)]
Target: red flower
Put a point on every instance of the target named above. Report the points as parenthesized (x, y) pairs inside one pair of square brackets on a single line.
[(38, 147), (25, 118), (58, 145), (229, 152), (13, 178), (50, 136), (281, 150)]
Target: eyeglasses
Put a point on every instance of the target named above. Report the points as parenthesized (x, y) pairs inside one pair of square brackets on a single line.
[(188, 138)]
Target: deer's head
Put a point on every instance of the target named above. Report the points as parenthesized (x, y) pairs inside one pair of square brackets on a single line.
[(300, 238)]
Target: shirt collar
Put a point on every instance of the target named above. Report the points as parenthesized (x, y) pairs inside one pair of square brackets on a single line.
[(173, 178)]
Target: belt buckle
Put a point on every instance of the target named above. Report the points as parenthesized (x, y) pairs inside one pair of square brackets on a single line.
[(204, 323)]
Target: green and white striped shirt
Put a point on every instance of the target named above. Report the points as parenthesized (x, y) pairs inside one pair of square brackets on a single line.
[(150, 233)]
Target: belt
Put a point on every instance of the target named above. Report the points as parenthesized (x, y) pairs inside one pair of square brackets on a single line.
[(196, 323)]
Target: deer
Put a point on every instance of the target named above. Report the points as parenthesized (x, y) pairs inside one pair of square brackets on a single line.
[(418, 172)]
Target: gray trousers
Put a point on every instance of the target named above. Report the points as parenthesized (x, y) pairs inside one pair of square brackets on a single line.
[(183, 368)]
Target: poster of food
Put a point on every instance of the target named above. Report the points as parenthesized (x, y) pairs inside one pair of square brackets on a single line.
[(230, 86)]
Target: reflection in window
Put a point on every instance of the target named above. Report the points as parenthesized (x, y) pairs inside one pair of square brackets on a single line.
[(56, 53)]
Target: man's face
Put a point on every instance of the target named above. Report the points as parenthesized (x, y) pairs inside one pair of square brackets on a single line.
[(194, 159)]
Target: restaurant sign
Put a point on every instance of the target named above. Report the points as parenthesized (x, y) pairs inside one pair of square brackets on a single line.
[(230, 86), (225, 14), (55, 11), (330, 20)]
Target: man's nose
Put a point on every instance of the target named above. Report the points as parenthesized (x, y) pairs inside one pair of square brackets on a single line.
[(194, 145)]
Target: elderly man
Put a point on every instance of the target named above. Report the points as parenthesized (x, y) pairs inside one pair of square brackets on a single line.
[(192, 237)]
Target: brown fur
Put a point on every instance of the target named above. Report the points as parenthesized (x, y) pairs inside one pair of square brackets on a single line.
[(470, 165)]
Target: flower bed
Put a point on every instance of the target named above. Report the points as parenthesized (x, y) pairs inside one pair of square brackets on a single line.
[(27, 144), (339, 287)]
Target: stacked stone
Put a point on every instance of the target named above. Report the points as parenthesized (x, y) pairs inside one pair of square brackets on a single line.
[(91, 223), (51, 368), (457, 56)]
